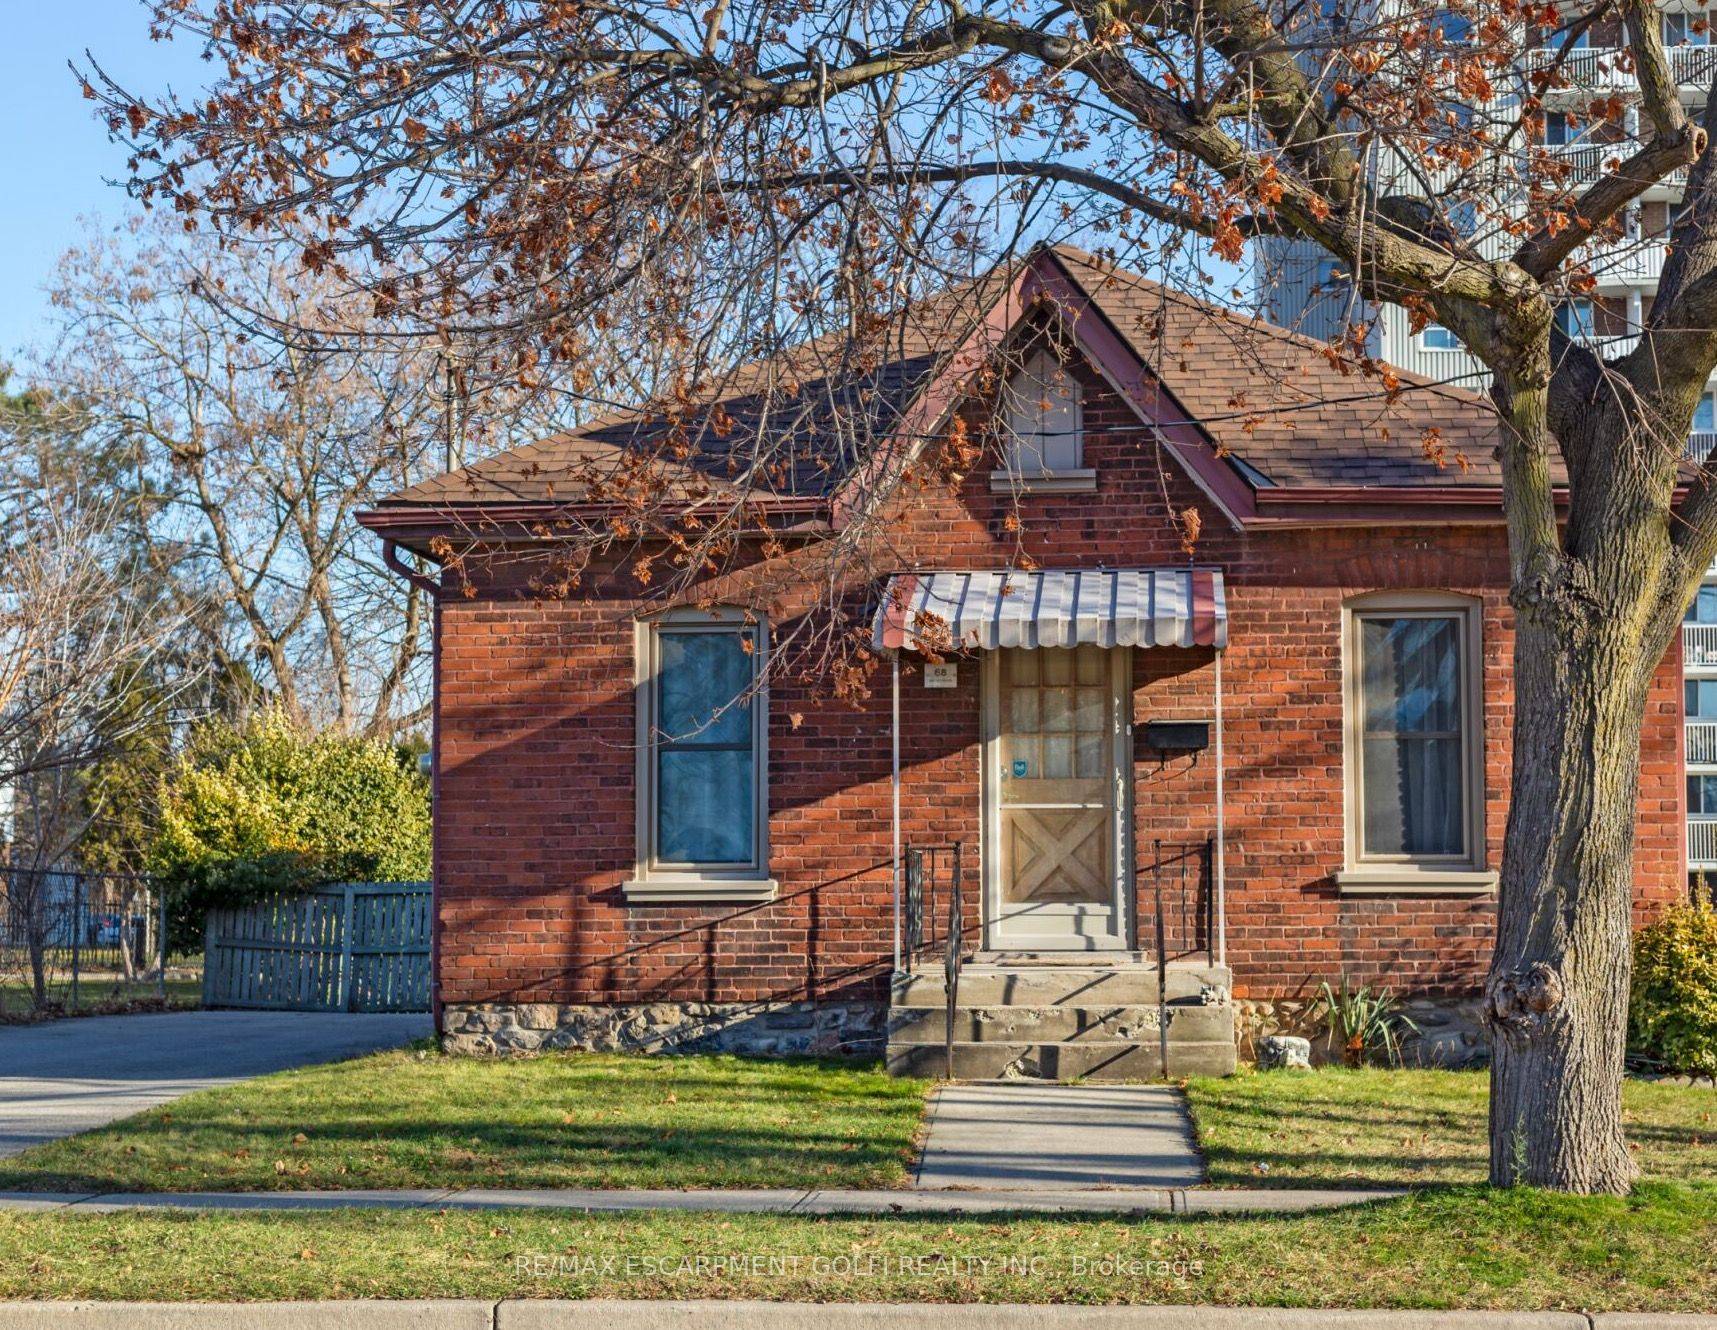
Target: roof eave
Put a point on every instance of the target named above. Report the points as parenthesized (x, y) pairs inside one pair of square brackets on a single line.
[(1395, 505), (533, 522)]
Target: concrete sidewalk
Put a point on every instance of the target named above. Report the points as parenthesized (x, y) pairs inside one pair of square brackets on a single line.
[(1031, 1136), (531, 1314), (816, 1201)]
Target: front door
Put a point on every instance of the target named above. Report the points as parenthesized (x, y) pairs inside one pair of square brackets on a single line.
[(1055, 795)]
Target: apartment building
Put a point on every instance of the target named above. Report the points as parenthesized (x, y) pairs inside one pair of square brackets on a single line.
[(1301, 287)]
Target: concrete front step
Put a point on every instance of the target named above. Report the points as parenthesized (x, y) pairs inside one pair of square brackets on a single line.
[(1131, 1024), (1098, 1060), (1123, 985)]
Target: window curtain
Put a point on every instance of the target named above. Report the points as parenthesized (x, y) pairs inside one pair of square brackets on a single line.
[(1412, 761)]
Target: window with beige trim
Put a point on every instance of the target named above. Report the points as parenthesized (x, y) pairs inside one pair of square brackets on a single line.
[(1414, 741), (703, 818), (1043, 428), (1043, 419)]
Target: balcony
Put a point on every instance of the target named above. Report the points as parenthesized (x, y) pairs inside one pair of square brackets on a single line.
[(1700, 444), (1699, 644), (1607, 347), (1587, 161), (1601, 69), (1702, 743), (1702, 841), (1586, 69), (1692, 65), (1628, 264)]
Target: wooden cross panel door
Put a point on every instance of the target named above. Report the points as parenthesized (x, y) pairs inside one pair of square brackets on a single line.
[(1055, 789)]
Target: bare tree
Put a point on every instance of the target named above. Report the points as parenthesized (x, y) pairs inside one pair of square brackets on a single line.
[(263, 407), (724, 181), (79, 621)]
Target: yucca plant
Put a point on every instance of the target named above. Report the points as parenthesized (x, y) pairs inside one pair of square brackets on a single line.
[(1361, 1020)]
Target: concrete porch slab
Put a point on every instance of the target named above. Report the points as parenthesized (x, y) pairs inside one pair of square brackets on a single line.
[(1036, 1136)]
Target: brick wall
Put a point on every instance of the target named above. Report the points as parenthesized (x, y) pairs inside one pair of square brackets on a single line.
[(535, 814)]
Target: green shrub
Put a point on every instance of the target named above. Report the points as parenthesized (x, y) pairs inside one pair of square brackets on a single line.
[(1672, 1009), (246, 812)]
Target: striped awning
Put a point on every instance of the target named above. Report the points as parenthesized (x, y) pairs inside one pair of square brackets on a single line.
[(1110, 607)]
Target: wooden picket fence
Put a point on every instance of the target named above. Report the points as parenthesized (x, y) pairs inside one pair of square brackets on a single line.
[(352, 946)]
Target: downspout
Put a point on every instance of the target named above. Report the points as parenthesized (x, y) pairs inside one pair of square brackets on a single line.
[(431, 588), (1221, 831), (894, 706), (424, 583)]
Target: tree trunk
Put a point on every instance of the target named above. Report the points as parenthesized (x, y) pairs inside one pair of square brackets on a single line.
[(1557, 995)]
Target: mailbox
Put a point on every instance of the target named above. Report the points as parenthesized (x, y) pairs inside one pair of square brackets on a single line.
[(1176, 736)]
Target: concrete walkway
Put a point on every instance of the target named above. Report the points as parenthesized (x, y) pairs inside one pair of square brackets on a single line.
[(62, 1077), (1033, 1136), (547, 1314), (817, 1201)]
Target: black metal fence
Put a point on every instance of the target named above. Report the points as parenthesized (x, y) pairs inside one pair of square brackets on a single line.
[(71, 939)]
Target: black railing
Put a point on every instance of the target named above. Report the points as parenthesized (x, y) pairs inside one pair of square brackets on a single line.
[(1180, 890), (68, 937), (933, 892)]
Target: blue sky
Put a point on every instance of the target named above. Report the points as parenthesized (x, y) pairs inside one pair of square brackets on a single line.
[(56, 153)]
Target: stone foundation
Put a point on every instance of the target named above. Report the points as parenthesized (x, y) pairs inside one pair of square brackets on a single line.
[(1450, 1033), (775, 1028)]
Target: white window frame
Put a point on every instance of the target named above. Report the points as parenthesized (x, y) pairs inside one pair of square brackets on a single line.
[(654, 879), (1012, 477), (1426, 340), (1366, 873), (1686, 19)]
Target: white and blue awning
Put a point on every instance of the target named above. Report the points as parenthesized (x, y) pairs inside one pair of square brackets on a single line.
[(1109, 607)]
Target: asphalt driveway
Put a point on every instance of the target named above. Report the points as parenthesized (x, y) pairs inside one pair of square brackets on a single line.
[(68, 1076)]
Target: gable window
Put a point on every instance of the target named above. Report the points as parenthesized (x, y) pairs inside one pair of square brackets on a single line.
[(1043, 428), (1435, 337), (702, 762), (1415, 795)]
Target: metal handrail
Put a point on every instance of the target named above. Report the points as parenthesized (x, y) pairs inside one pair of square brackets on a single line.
[(919, 905), (951, 964)]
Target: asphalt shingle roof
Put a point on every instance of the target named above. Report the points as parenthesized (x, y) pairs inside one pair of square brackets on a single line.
[(1276, 402)]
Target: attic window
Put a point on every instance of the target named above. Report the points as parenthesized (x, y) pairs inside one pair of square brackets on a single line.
[(1043, 428)]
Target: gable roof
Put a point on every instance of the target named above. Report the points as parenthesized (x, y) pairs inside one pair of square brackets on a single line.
[(1255, 409), (1281, 404)]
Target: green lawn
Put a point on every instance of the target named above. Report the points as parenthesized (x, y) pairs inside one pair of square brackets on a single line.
[(1449, 1247), (98, 993), (1340, 1128), (418, 1119)]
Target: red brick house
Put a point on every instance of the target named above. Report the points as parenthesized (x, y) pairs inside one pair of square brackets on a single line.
[(1279, 760)]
